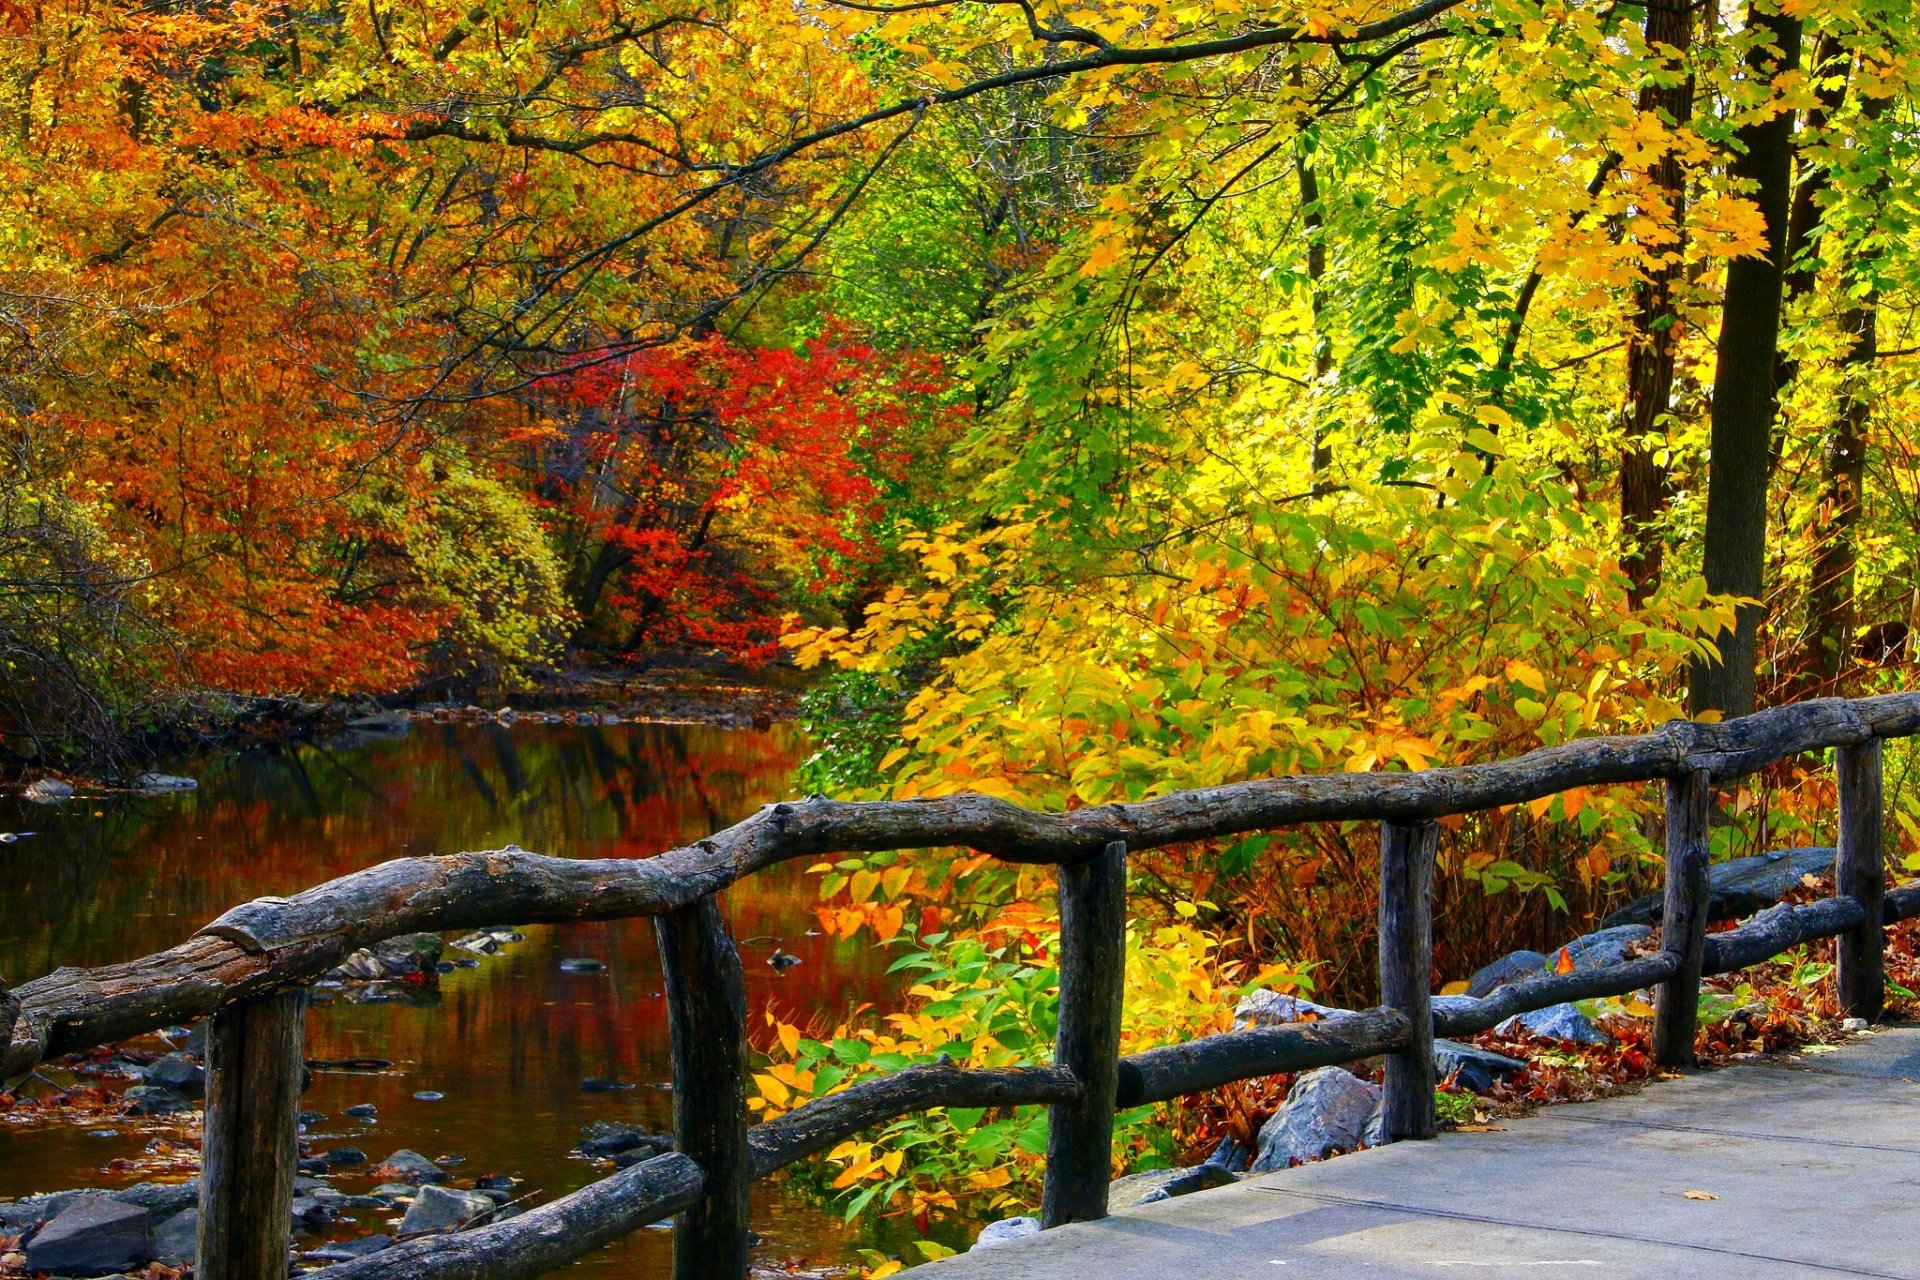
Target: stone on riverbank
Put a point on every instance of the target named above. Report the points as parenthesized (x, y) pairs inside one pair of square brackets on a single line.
[(409, 1166), (152, 1100), (606, 1139), (179, 1073), (93, 1236), (176, 1242), (348, 1250), (1326, 1110)]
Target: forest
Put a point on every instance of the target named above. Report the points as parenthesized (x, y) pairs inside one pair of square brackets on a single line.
[(1074, 401)]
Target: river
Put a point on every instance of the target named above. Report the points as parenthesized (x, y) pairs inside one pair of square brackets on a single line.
[(507, 1043)]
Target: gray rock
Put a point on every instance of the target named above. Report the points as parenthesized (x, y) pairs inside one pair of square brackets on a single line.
[(22, 1216), (1231, 1156), (179, 1073), (1477, 1069), (152, 1100), (93, 1236), (442, 1209), (158, 783), (1740, 887), (311, 1211), (581, 964), (161, 1199), (348, 1250), (363, 1111), (1326, 1110), (176, 1241), (409, 956), (1555, 1022), (409, 1166), (481, 943), (1156, 1185), (605, 1138), (47, 791), (1599, 949), (1511, 967), (1005, 1231), (1275, 1008), (343, 1157)]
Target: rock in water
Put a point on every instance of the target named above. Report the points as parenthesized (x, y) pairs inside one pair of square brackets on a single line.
[(1275, 1008), (1556, 1022), (151, 1100), (1479, 1069), (93, 1236), (176, 1242), (1326, 1110), (441, 1209), (179, 1073), (158, 783), (1156, 1185), (1006, 1231), (581, 964), (409, 1166), (47, 791), (412, 955)]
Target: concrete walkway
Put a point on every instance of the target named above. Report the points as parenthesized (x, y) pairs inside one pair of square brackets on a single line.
[(1815, 1160)]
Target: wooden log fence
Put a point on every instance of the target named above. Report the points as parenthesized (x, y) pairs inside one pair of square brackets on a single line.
[(248, 969)]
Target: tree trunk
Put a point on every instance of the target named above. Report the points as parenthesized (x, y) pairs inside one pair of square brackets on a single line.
[(1830, 603), (1644, 484), (1739, 465), (1315, 223)]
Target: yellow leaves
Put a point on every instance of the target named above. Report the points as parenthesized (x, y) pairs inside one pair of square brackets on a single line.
[(1525, 673), (1728, 226)]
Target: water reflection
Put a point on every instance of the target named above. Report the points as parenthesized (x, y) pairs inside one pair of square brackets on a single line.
[(507, 1043)]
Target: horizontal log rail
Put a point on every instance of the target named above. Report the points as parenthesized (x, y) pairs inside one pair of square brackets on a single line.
[(244, 959)]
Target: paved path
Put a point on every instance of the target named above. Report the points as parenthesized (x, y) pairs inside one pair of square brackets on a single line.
[(1815, 1160)]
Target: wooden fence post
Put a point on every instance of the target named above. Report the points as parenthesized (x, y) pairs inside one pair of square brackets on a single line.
[(1406, 973), (1093, 973), (1683, 921), (1860, 872), (250, 1149), (707, 1017)]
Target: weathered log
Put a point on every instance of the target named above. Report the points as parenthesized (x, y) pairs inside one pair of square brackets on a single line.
[(272, 942), (1463, 1016), (1683, 922), (1860, 873), (1902, 903), (707, 1017), (543, 1239), (9, 1014), (1779, 929), (1093, 977), (820, 1124), (1406, 974), (1174, 1070), (252, 1143)]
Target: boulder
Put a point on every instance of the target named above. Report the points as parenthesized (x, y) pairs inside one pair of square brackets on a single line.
[(179, 1073), (1276, 1008), (344, 1157), (47, 791), (176, 1241), (1005, 1231), (442, 1209), (1231, 1156), (363, 1111), (412, 955), (1156, 1185), (605, 1138), (1472, 1068), (19, 1217), (409, 1166), (348, 1250), (152, 1100), (1511, 967), (1555, 1022), (93, 1236), (1604, 947), (161, 1199), (1325, 1111), (311, 1212), (160, 783), (1739, 887)]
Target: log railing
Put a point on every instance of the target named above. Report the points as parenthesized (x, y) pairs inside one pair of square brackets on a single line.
[(247, 969)]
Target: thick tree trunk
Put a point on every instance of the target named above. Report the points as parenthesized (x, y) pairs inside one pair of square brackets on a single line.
[(1644, 484), (1739, 465)]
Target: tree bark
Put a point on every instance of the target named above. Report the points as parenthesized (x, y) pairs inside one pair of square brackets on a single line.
[(252, 1138), (1644, 484), (1740, 462)]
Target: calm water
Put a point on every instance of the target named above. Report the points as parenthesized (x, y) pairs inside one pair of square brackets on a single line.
[(507, 1043)]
